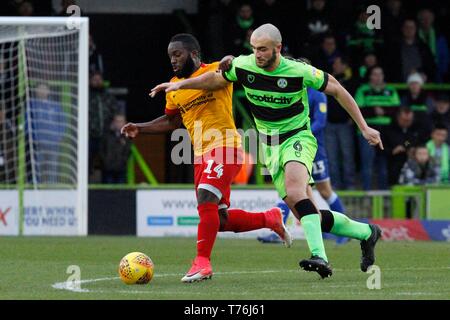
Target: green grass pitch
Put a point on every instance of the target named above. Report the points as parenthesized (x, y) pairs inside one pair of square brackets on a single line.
[(244, 269)]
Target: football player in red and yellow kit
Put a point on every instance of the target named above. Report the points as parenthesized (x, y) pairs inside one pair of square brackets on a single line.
[(207, 116)]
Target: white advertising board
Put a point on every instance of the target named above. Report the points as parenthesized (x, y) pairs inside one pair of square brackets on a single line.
[(51, 212), (174, 212)]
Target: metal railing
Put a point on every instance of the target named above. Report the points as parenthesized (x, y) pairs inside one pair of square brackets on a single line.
[(398, 203), (136, 158)]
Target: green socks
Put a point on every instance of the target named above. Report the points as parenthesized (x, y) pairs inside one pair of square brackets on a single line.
[(333, 222), (344, 226), (313, 234)]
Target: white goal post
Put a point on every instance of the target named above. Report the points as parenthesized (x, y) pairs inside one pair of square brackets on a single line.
[(44, 125)]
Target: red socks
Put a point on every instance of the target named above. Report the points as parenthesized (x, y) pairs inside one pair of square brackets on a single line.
[(207, 228), (238, 221), (242, 221)]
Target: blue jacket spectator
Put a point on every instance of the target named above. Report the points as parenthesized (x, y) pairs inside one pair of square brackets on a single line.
[(327, 53), (45, 124), (47, 121)]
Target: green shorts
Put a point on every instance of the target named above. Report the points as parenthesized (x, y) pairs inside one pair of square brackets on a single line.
[(301, 147)]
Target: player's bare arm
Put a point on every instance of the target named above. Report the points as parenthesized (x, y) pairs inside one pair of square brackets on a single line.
[(163, 124), (225, 63), (209, 81), (335, 89)]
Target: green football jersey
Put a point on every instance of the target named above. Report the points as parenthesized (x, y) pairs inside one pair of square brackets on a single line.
[(278, 99), (368, 98)]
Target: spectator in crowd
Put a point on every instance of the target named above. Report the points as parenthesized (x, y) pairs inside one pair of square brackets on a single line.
[(271, 11), (370, 60), (95, 58), (221, 15), (25, 9), (339, 132), (243, 22), (441, 113), (438, 149), (47, 123), (436, 42), (65, 4), (420, 103), (363, 39), (410, 55), (327, 54), (8, 8), (102, 108), (8, 164), (114, 152), (316, 24), (379, 103), (246, 46), (392, 16), (400, 136), (420, 169)]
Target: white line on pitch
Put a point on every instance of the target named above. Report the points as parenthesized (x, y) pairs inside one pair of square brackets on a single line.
[(75, 286)]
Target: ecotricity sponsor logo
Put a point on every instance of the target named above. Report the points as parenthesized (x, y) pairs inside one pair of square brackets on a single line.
[(188, 221), (159, 221), (270, 99)]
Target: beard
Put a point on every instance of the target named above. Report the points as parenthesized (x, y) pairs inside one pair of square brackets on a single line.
[(271, 60), (187, 69)]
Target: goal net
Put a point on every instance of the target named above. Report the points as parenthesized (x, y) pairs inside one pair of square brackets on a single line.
[(43, 124)]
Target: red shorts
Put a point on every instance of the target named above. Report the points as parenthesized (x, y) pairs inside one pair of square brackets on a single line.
[(216, 170)]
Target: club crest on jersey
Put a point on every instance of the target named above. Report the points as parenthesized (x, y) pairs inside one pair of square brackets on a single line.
[(282, 83), (250, 78)]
